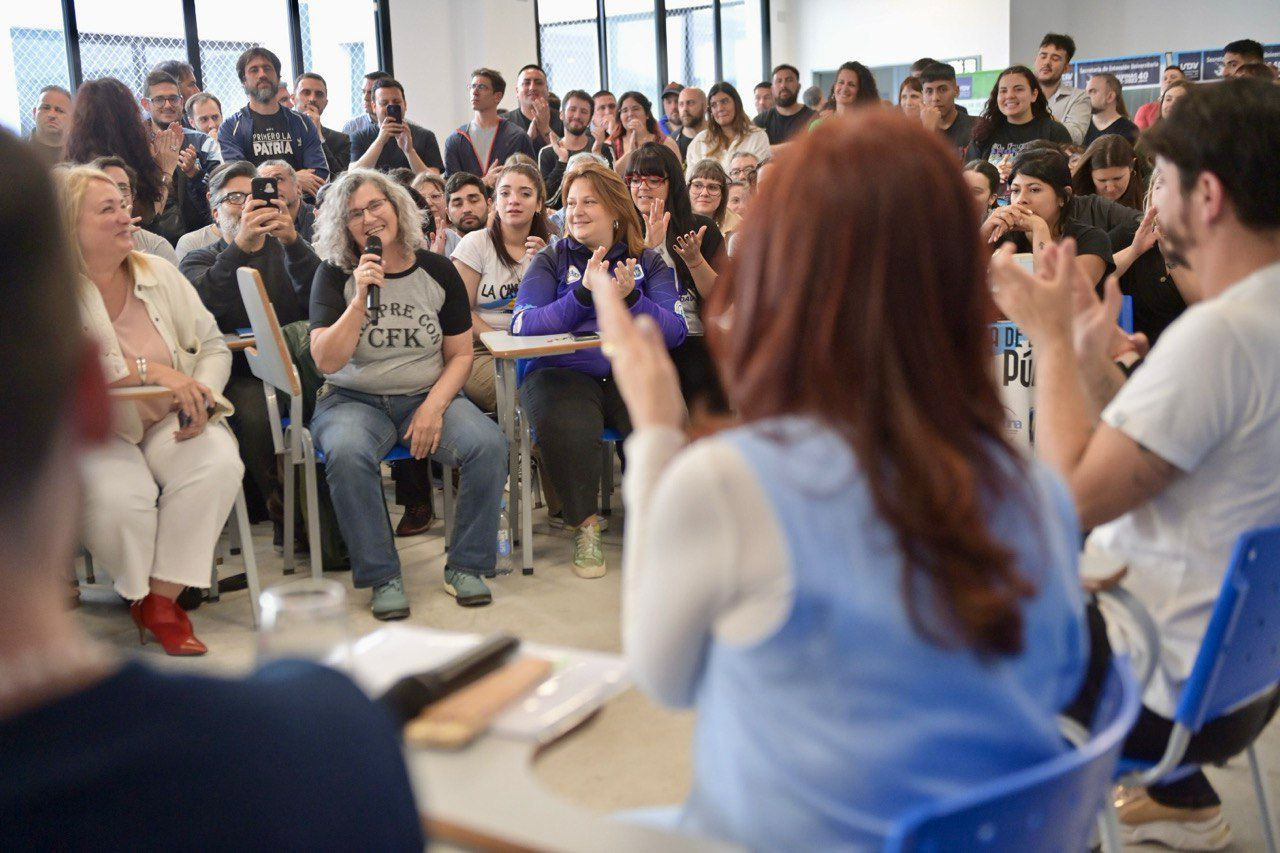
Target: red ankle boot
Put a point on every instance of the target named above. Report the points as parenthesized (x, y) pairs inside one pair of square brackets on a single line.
[(168, 622)]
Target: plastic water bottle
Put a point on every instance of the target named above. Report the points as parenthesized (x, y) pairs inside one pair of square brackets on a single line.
[(503, 566)]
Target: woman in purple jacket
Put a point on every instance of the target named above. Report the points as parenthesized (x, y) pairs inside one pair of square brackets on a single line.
[(571, 398)]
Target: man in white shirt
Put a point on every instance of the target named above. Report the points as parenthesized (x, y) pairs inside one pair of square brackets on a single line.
[(1069, 105), (1172, 466)]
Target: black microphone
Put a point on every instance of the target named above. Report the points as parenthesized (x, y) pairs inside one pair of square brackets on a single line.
[(373, 296), (407, 697)]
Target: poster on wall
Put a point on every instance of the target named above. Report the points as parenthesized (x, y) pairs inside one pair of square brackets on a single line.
[(1131, 71), (1201, 65)]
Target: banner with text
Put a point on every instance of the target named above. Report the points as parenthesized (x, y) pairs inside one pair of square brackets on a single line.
[(1131, 71), (1201, 65)]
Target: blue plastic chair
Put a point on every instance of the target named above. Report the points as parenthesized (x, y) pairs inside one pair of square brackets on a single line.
[(1238, 659), (1051, 806)]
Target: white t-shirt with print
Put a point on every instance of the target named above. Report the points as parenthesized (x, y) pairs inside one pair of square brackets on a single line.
[(1206, 400), (496, 292)]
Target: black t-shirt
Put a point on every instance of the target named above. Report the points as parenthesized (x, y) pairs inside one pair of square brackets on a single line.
[(1089, 241), (1121, 127), (684, 142), (961, 131), (780, 128), (271, 140), (1157, 302), (1010, 138), (424, 143), (403, 353)]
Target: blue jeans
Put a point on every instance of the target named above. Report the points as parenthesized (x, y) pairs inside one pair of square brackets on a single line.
[(355, 430)]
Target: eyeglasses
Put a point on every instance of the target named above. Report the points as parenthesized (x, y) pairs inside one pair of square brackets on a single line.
[(650, 181), (706, 187), (170, 100), (745, 173), (234, 198), (126, 191), (357, 213), (480, 87)]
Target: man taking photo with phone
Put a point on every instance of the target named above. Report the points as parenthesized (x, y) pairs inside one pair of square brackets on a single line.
[(394, 143)]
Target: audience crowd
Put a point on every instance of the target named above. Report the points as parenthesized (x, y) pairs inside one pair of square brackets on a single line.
[(747, 269)]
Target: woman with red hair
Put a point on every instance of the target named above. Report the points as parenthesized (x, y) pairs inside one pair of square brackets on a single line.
[(877, 596)]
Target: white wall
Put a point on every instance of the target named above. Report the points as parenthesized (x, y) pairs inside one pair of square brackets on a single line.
[(818, 35), (437, 43), (1105, 28)]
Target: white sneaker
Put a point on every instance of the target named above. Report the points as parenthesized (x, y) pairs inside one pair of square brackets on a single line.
[(1144, 820)]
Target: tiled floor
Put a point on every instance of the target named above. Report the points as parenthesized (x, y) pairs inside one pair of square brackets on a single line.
[(634, 754)]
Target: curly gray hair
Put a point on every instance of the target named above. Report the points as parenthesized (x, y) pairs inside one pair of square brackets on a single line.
[(333, 242)]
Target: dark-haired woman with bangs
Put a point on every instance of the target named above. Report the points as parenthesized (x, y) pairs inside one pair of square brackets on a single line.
[(863, 590), (690, 244), (1016, 113)]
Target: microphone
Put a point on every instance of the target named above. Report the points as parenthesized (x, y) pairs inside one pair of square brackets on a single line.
[(407, 697), (373, 296)]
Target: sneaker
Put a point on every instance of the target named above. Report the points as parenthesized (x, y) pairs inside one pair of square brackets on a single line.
[(588, 559), (556, 521), (468, 589), (1142, 820), (389, 601)]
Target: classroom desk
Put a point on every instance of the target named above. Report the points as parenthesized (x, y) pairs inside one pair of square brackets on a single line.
[(505, 349), (238, 342), (138, 392)]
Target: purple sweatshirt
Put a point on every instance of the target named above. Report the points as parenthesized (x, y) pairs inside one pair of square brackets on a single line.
[(551, 300)]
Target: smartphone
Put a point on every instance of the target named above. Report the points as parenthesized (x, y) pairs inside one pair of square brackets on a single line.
[(585, 336), (395, 112), (184, 420), (265, 189)]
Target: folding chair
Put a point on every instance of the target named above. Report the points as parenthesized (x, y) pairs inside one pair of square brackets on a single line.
[(1239, 659), (1051, 806)]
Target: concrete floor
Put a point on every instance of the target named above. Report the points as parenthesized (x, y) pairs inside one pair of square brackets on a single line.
[(632, 755)]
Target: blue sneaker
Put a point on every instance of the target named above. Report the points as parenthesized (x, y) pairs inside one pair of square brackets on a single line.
[(467, 588), (389, 601)]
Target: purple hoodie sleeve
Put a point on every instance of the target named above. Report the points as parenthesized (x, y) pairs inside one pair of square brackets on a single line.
[(538, 310), (658, 299)]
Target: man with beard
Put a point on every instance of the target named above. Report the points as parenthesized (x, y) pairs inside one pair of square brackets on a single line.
[(260, 235), (52, 113), (787, 115), (468, 200), (1069, 105), (670, 119), (575, 112), (1172, 466), (264, 130), (692, 106)]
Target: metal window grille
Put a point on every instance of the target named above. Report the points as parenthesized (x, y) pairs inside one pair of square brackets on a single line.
[(128, 58), (39, 60)]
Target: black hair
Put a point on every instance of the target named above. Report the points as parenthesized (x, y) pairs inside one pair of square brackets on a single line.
[(785, 67), (763, 84), (922, 63), (1059, 40), (1107, 152), (598, 94), (37, 297), (376, 75), (402, 175), (458, 180), (1051, 166), (157, 78), (495, 79), (581, 95), (992, 119), (111, 161), (387, 83), (176, 68), (227, 171), (654, 158), (256, 53), (106, 121), (1232, 130), (938, 72), (534, 66), (315, 76), (868, 91), (988, 171), (1247, 48), (197, 98)]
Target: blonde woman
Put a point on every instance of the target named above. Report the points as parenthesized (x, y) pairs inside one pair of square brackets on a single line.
[(159, 492), (729, 131)]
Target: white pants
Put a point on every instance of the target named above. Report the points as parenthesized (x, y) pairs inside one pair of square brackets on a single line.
[(156, 509)]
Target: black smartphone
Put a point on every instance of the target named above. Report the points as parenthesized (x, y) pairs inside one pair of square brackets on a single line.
[(586, 336), (395, 112), (265, 189), (184, 420)]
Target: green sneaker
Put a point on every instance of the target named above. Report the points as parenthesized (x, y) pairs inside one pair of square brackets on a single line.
[(467, 588), (588, 558), (389, 601)]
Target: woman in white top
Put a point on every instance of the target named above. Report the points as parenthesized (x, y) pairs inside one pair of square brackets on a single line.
[(492, 261), (729, 131), (158, 493)]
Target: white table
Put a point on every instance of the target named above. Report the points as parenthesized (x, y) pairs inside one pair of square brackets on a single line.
[(505, 349), (138, 392)]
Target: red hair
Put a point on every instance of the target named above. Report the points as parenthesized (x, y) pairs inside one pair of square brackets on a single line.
[(858, 296)]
